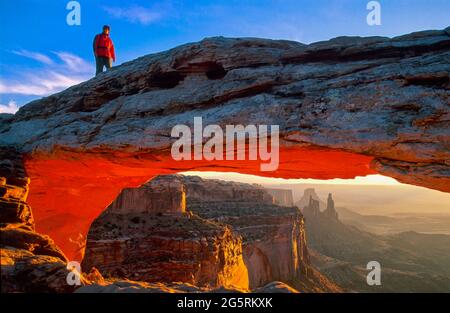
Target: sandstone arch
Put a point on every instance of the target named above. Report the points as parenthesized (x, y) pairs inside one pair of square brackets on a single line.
[(346, 107)]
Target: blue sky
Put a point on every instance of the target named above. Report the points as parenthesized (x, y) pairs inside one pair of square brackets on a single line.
[(40, 54)]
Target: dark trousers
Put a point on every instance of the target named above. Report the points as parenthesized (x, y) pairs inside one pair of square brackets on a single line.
[(102, 62)]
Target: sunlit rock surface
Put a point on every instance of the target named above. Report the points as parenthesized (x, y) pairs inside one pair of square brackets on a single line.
[(135, 242), (263, 242), (274, 239), (163, 195)]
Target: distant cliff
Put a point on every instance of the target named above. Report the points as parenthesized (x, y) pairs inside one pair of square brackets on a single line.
[(411, 262), (253, 241), (147, 235), (308, 194), (274, 239), (157, 196), (282, 197)]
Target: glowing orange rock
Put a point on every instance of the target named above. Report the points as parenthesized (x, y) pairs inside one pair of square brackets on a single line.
[(69, 190)]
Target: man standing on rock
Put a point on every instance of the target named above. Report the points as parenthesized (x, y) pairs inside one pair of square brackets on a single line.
[(103, 50)]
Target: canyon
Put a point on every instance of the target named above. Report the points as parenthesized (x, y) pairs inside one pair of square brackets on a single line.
[(217, 233), (274, 238), (132, 239), (410, 261), (345, 107)]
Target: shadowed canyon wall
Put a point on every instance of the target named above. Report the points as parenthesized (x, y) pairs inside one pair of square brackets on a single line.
[(30, 261)]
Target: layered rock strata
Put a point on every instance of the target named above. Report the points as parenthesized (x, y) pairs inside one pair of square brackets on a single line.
[(30, 261), (129, 240), (274, 238), (254, 241)]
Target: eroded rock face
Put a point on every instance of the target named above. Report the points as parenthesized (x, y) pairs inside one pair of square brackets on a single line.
[(174, 247), (30, 262), (411, 262), (14, 185), (305, 200), (216, 190), (346, 107), (162, 195), (156, 246), (274, 238), (330, 211), (282, 197)]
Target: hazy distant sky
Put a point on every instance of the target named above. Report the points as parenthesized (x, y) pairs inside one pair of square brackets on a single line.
[(373, 194), (250, 179), (40, 54)]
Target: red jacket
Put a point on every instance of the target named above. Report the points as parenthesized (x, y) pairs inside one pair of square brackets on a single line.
[(104, 47)]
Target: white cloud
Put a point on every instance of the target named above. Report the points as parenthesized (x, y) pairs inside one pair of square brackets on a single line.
[(52, 77), (37, 85), (11, 107), (40, 57), (22, 89), (74, 62), (54, 81), (134, 14)]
